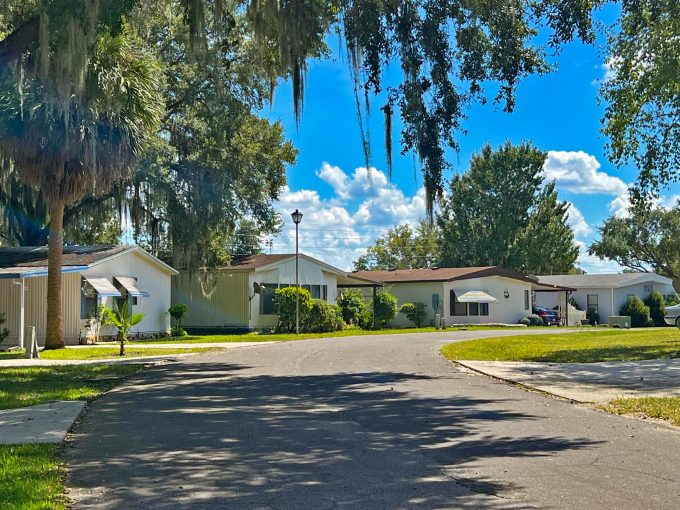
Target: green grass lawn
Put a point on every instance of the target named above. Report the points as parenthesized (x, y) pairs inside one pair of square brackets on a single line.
[(288, 337), (31, 477), (665, 408), (93, 353), (27, 386), (580, 347)]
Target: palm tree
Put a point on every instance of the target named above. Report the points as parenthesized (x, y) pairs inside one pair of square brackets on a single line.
[(123, 319), (74, 134)]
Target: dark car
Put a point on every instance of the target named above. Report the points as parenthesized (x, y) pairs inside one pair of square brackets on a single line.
[(550, 317)]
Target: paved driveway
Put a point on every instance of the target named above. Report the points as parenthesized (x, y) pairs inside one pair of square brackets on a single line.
[(366, 423)]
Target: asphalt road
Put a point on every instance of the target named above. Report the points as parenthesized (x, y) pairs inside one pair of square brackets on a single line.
[(361, 423)]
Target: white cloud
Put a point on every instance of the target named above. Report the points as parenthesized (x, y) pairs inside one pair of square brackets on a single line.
[(592, 264), (338, 229), (578, 172), (619, 206), (578, 222)]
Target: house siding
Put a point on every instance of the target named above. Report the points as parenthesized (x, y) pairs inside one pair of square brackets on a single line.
[(310, 273), (610, 300), (36, 307), (216, 299), (414, 293), (507, 311)]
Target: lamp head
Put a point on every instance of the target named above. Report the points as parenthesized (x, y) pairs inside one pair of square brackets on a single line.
[(297, 217)]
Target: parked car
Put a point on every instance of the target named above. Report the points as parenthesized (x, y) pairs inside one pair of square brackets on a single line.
[(672, 316), (550, 317)]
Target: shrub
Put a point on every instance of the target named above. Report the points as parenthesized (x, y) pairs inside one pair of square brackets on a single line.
[(415, 312), (657, 308), (524, 321), (353, 306), (385, 308), (4, 332), (285, 299), (593, 316), (177, 313), (535, 320), (637, 311), (573, 303), (324, 317)]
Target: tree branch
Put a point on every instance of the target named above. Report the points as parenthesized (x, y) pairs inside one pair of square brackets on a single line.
[(18, 42)]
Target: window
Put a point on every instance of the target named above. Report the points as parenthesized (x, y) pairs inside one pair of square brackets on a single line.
[(267, 306), (317, 291), (648, 288), (324, 290), (456, 308), (88, 300), (591, 302), (483, 308), (473, 308)]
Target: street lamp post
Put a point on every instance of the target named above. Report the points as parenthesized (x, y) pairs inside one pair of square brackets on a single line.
[(297, 218)]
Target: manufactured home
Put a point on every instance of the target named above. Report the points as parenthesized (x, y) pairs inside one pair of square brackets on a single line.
[(92, 275), (240, 296)]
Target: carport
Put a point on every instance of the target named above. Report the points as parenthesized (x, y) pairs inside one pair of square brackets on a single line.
[(562, 294)]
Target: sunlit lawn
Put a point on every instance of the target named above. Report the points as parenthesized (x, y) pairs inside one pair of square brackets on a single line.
[(31, 477), (94, 353), (288, 337), (665, 408), (579, 347)]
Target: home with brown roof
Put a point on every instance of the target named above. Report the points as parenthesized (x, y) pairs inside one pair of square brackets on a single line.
[(92, 275), (465, 295), (240, 296)]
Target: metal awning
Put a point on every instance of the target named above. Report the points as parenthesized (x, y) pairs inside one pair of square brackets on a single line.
[(476, 296), (103, 287), (129, 283)]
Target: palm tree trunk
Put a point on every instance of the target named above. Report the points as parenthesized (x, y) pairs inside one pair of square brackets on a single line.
[(55, 250)]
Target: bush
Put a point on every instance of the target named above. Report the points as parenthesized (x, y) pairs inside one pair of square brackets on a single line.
[(415, 312), (177, 313), (285, 299), (535, 320), (637, 311), (385, 308), (593, 316), (573, 303), (4, 332), (324, 317), (657, 308), (353, 306), (524, 321)]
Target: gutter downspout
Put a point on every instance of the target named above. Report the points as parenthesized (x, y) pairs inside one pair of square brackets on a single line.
[(612, 306)]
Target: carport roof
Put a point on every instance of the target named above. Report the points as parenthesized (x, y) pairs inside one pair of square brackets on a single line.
[(439, 274)]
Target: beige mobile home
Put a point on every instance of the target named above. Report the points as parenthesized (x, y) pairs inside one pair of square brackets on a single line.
[(240, 296), (464, 295), (91, 275)]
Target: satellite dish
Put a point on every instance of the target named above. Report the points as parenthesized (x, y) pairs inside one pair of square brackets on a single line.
[(257, 288), (676, 285)]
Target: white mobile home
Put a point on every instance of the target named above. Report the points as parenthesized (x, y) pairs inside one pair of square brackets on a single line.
[(240, 296), (91, 275), (462, 295), (606, 293)]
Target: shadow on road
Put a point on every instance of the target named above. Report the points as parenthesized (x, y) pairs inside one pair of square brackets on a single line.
[(219, 436)]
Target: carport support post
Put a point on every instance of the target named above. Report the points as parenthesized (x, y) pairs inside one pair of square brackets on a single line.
[(375, 295), (22, 312)]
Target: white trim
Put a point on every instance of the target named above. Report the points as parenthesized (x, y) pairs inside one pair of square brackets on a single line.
[(328, 267), (134, 248)]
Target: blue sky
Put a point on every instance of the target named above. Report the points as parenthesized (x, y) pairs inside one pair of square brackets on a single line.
[(347, 208)]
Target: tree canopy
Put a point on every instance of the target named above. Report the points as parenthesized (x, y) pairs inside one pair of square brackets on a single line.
[(642, 96), (501, 212), (402, 248), (647, 240)]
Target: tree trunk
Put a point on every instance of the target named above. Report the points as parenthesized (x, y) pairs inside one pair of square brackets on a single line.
[(55, 250), (122, 345)]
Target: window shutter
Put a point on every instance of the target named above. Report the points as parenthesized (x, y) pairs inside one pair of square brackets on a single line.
[(452, 302)]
